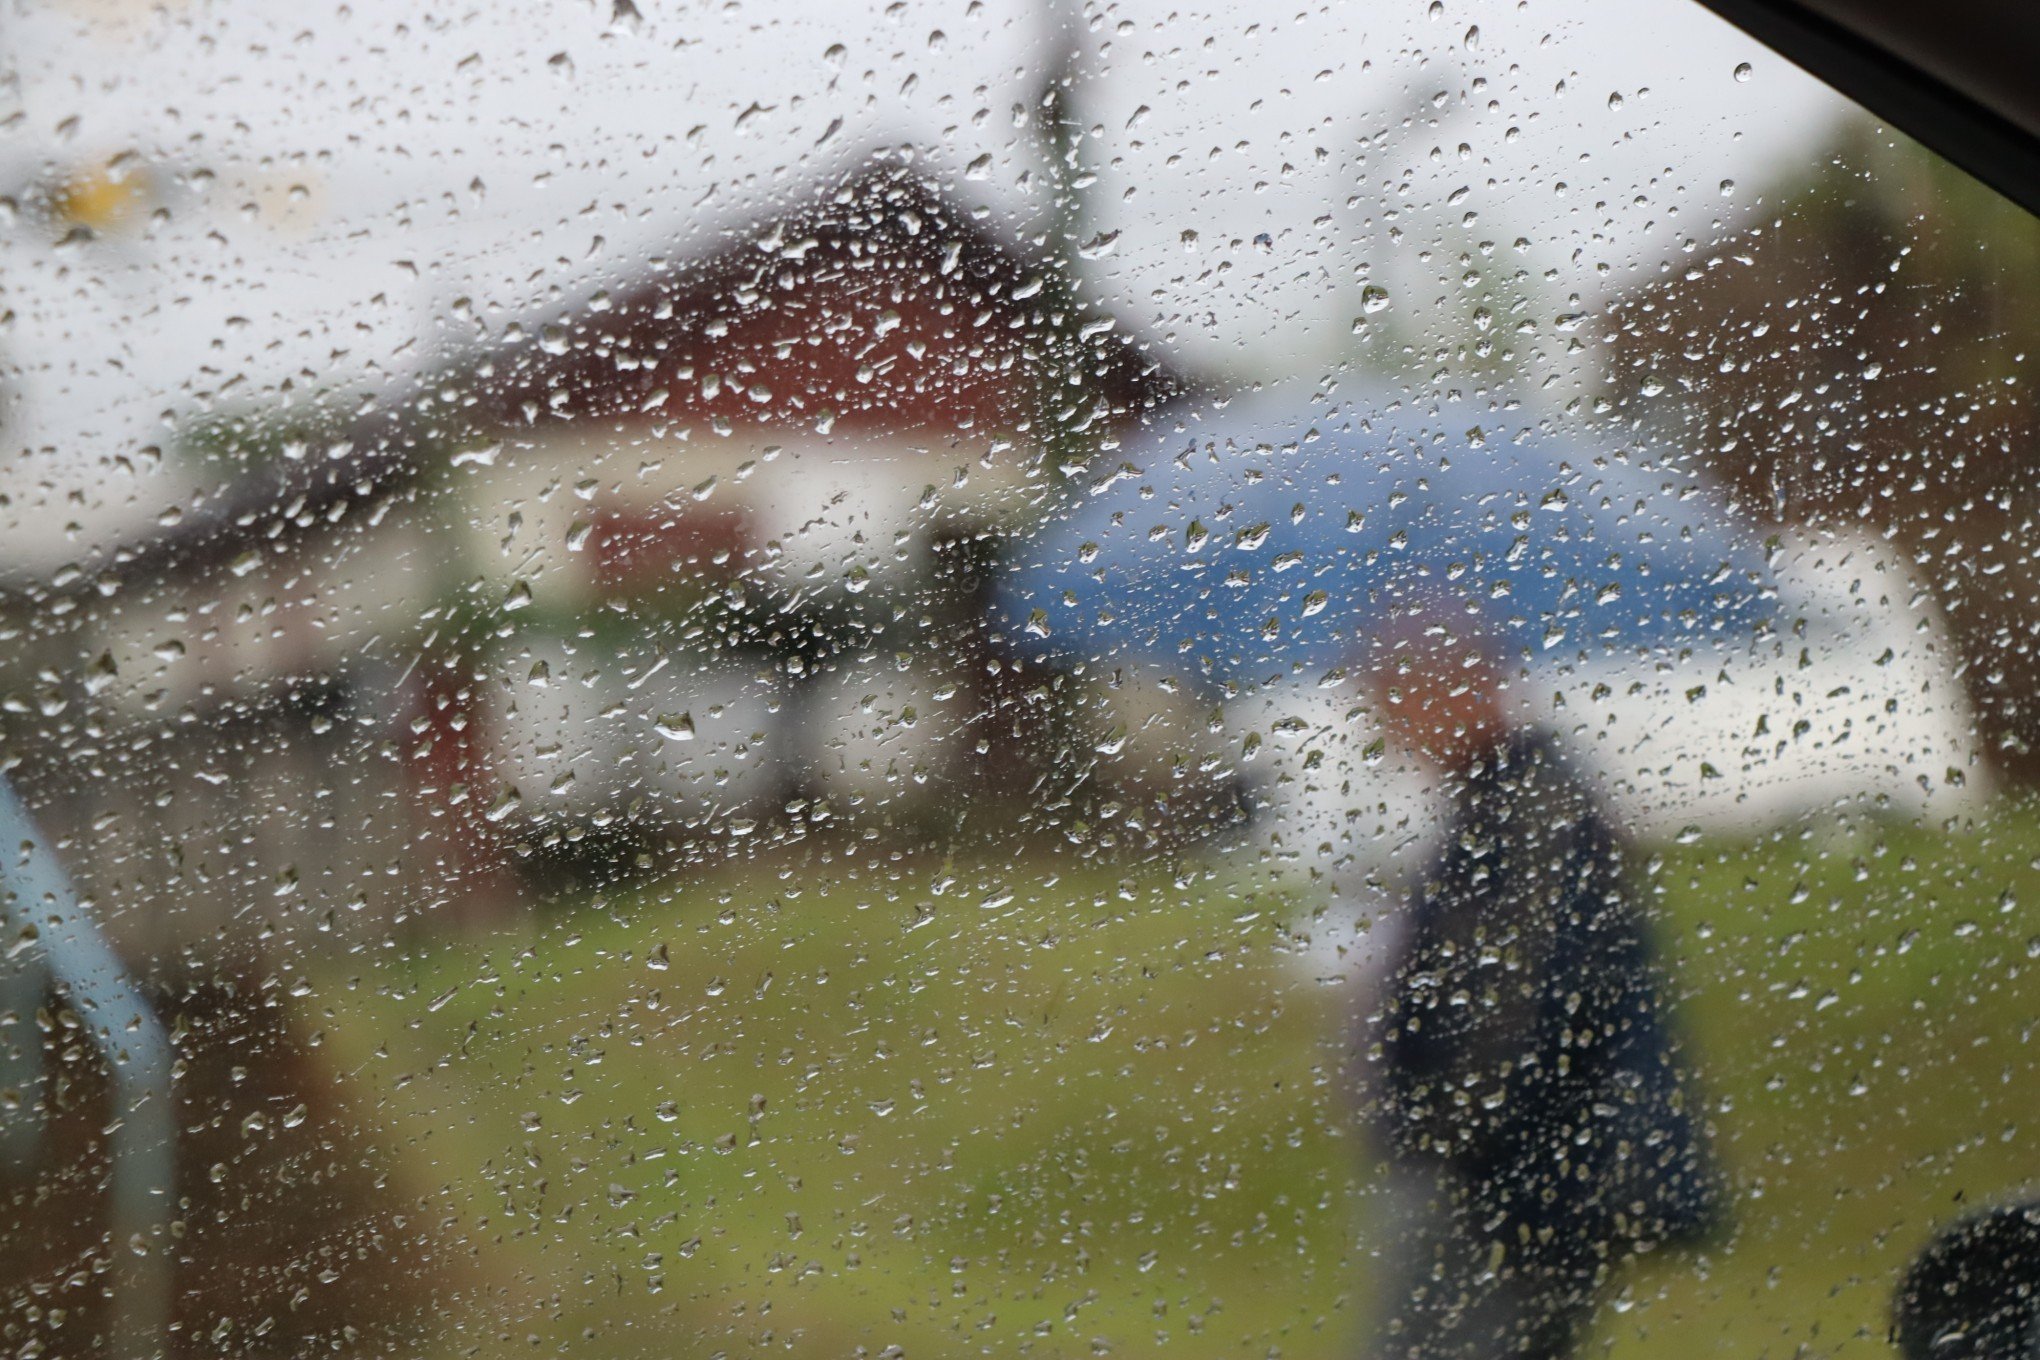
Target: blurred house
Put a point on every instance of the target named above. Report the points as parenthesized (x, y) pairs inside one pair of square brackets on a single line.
[(691, 554), (1853, 359), (692, 558), (740, 510)]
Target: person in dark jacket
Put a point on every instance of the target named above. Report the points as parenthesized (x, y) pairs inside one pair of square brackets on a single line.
[(1526, 1084)]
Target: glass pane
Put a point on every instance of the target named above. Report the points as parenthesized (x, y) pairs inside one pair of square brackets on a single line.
[(1006, 678)]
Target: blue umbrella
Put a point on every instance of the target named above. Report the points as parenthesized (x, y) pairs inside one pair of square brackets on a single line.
[(1233, 538)]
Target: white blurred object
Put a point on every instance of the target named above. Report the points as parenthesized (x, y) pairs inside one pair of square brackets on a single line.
[(841, 516), (1862, 707), (1335, 801), (1332, 796), (587, 734), (881, 737)]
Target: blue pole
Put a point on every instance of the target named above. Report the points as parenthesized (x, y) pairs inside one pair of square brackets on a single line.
[(42, 906), (21, 1066)]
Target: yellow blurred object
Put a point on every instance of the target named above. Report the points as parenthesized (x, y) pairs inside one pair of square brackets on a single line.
[(107, 199), (117, 21)]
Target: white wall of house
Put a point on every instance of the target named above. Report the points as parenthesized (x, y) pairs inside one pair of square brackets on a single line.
[(575, 730), (583, 732), (862, 511), (519, 508), (354, 592), (833, 519), (877, 738), (826, 514)]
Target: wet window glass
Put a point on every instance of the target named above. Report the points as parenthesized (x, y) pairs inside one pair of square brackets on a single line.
[(1047, 679)]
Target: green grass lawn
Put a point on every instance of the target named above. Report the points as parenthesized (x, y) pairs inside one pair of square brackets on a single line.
[(838, 1104)]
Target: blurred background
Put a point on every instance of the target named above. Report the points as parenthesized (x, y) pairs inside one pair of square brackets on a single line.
[(707, 662)]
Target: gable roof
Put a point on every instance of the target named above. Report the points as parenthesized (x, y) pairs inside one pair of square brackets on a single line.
[(885, 242), (886, 234)]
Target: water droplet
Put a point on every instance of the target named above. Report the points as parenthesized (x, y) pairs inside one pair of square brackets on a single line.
[(507, 803), (676, 726), (1742, 71)]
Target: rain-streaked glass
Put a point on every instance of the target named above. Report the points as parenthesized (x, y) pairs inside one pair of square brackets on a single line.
[(1005, 678)]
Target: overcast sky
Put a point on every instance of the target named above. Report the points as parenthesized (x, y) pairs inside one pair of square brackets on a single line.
[(336, 176)]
